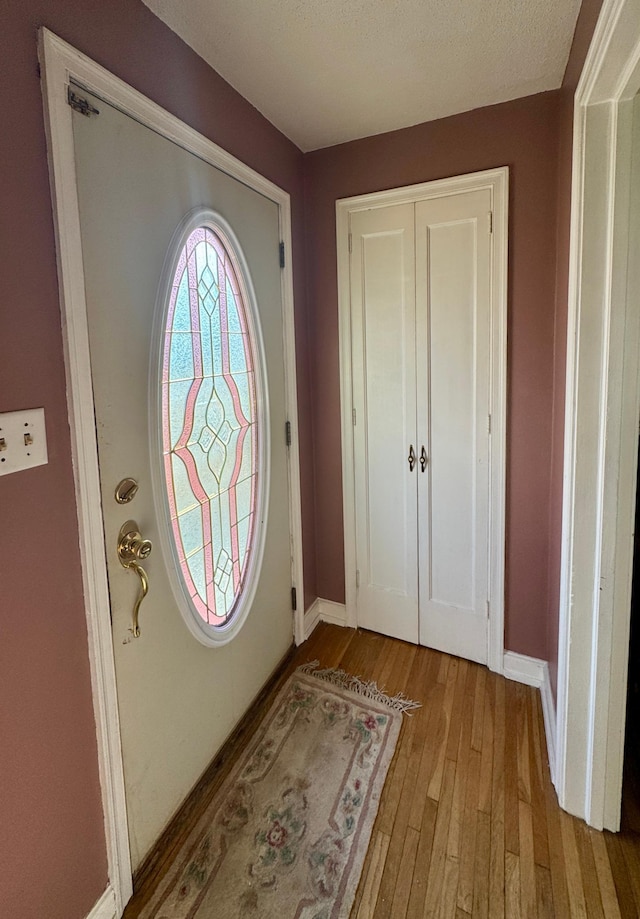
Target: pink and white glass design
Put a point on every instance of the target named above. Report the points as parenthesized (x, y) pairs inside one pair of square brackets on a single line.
[(209, 425)]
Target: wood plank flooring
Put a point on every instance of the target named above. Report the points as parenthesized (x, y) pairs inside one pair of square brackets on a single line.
[(469, 824)]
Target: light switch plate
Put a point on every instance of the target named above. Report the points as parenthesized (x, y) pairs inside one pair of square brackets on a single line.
[(23, 440)]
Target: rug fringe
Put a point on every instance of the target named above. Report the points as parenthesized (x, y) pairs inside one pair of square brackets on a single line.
[(367, 688)]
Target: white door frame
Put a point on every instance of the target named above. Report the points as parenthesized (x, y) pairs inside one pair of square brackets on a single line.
[(60, 63), (497, 182), (601, 428)]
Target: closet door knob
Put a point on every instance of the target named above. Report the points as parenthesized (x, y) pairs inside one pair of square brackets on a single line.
[(423, 459), (411, 459)]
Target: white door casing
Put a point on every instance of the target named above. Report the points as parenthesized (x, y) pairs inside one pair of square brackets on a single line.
[(393, 239), (61, 63), (601, 424)]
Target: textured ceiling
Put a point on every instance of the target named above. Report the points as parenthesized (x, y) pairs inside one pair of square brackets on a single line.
[(328, 71)]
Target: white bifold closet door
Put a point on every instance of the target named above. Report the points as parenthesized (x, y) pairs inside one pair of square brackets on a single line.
[(420, 309)]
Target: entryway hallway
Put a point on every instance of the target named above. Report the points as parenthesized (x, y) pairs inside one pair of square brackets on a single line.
[(469, 824)]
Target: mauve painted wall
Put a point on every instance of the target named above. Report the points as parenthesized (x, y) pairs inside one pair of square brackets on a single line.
[(52, 849), (582, 38), (524, 136)]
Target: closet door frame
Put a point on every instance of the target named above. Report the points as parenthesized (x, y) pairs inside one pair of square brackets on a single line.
[(496, 181)]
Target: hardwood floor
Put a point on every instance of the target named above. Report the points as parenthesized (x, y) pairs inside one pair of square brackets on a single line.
[(468, 824)]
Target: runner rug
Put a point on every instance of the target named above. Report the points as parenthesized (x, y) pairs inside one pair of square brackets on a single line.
[(287, 833)]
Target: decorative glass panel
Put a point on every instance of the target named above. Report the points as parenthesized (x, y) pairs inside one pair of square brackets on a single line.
[(209, 425)]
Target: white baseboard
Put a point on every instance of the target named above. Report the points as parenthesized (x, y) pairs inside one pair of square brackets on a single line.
[(535, 672), (523, 669), (324, 611), (105, 908), (549, 713), (311, 618), (333, 612)]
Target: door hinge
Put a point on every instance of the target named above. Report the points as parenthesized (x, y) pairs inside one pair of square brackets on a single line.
[(294, 599), (282, 255), (357, 577), (488, 610), (287, 433), (490, 221), (79, 104), (350, 243), (353, 416), (489, 424)]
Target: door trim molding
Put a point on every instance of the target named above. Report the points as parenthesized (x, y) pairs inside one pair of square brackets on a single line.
[(497, 182), (601, 428), (61, 63)]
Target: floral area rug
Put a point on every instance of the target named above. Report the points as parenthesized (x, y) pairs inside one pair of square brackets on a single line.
[(287, 834)]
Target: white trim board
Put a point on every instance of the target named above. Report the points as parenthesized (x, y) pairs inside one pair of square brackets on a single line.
[(105, 908), (524, 669), (60, 64), (324, 611), (497, 182), (549, 715), (601, 426), (333, 612), (535, 672)]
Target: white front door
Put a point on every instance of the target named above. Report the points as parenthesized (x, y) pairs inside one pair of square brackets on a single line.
[(420, 308), (178, 699)]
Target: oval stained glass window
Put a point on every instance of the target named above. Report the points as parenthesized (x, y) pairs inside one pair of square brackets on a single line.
[(210, 425)]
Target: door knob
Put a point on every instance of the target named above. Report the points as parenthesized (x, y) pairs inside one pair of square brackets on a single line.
[(411, 459), (131, 548), (423, 459), (131, 545)]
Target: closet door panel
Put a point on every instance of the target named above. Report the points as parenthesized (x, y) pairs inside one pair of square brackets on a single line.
[(452, 415), (383, 335), (453, 374)]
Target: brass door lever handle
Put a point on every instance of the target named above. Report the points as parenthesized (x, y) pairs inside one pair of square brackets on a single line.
[(131, 548), (144, 590)]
